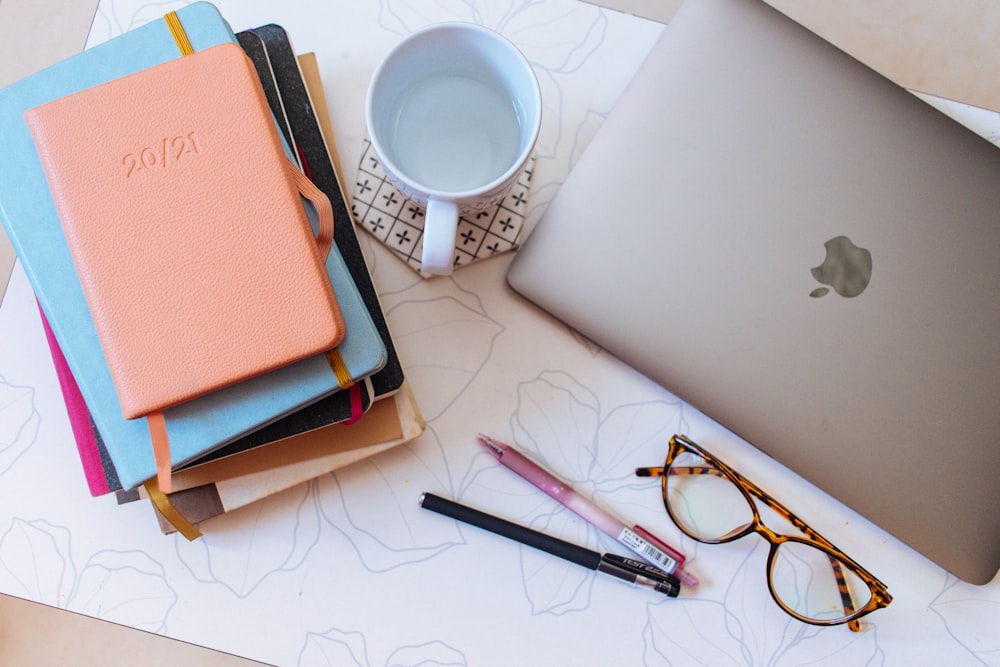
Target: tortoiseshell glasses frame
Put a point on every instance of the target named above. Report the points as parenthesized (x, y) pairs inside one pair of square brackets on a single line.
[(879, 595)]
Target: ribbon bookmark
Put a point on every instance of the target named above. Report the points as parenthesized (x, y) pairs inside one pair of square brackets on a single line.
[(161, 448), (346, 382), (166, 508), (356, 405)]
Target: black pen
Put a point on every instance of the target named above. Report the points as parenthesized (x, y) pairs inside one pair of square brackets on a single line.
[(626, 569)]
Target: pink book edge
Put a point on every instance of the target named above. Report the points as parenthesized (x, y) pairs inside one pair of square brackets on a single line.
[(79, 416)]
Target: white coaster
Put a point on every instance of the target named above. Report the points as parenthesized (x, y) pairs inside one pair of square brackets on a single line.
[(398, 222)]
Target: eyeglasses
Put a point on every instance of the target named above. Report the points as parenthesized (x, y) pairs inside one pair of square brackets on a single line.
[(810, 578)]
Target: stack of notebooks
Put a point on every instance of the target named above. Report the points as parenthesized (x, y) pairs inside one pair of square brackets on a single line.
[(178, 210)]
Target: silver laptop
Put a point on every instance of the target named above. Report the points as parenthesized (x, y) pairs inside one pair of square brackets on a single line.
[(808, 254)]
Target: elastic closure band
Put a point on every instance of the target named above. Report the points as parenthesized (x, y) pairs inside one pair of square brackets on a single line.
[(324, 210), (339, 368), (178, 33)]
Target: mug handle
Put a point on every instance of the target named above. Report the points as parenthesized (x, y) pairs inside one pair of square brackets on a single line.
[(440, 228)]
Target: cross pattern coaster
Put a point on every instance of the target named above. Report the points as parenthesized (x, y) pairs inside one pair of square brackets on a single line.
[(398, 222)]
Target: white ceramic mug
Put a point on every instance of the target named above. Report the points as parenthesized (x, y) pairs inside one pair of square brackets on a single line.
[(453, 113)]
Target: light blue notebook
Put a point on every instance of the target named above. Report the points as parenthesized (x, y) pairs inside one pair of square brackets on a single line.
[(29, 216)]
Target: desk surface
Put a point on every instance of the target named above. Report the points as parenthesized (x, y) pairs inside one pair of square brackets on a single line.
[(347, 568)]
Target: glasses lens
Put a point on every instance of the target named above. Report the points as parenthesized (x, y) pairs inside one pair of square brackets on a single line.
[(703, 502), (815, 585)]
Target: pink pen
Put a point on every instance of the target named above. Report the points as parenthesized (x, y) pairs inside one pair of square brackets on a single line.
[(638, 539)]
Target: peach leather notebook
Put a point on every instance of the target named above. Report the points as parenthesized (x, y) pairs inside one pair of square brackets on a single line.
[(186, 225)]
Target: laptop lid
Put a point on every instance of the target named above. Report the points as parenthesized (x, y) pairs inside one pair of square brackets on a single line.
[(805, 252)]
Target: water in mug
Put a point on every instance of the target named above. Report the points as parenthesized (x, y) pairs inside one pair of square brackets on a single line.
[(452, 133)]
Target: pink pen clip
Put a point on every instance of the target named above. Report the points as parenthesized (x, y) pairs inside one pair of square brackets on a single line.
[(643, 543)]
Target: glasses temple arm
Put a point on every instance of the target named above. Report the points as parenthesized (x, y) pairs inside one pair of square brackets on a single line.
[(846, 599)]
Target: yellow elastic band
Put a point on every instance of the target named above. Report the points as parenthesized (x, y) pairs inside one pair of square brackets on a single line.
[(177, 31), (163, 505), (339, 368)]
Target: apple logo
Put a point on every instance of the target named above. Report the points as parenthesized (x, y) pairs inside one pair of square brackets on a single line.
[(847, 268)]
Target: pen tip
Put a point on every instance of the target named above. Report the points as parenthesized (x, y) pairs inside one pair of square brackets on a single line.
[(490, 444)]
